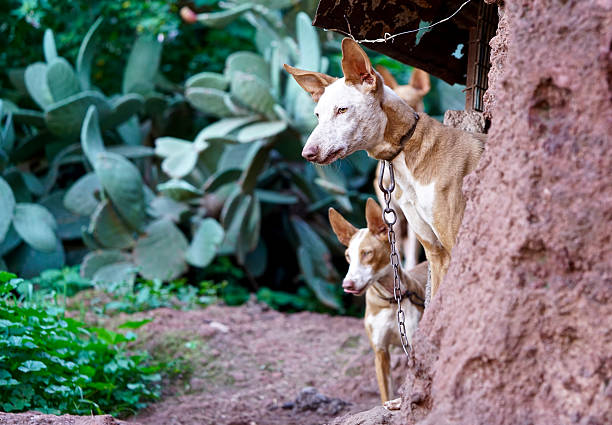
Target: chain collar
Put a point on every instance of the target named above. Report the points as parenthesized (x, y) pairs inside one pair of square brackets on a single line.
[(412, 296)]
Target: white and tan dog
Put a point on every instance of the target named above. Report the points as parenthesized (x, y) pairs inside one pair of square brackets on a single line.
[(413, 94), (358, 112), (368, 257)]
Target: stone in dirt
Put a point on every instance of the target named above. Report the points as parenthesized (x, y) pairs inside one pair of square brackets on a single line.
[(310, 399)]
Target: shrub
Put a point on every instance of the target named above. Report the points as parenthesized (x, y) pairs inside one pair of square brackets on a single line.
[(24, 23), (52, 363)]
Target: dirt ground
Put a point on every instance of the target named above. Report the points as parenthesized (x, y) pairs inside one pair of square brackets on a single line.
[(251, 365)]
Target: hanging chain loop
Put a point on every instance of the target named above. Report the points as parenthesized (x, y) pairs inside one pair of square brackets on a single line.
[(389, 216)]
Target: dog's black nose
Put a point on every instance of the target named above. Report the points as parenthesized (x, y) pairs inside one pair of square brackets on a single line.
[(310, 152)]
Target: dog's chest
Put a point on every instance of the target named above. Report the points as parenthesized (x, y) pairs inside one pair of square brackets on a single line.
[(414, 194)]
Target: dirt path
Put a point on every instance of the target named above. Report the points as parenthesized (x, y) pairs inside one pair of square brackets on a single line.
[(251, 365)]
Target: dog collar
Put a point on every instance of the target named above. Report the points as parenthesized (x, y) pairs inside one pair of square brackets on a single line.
[(412, 296), (404, 139)]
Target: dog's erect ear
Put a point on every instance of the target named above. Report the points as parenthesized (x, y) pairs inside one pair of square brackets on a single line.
[(342, 228), (387, 76), (313, 82), (356, 64), (376, 225), (420, 81)]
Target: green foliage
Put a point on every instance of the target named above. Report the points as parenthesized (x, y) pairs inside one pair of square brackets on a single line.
[(245, 158), (303, 299), (52, 363), (146, 295), (71, 109), (25, 22), (73, 164)]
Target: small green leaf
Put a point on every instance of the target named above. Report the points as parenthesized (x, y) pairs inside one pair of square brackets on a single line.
[(68, 224), (308, 43), (210, 101), (36, 226), (248, 63), (123, 272), (134, 324), (180, 165), (35, 78), (108, 228), (86, 53), (257, 158), (210, 80), (275, 197), (161, 236), (7, 200), (168, 146), (179, 190), (61, 79), (95, 260), (66, 117), (253, 93), (164, 207), (224, 127), (142, 66), (123, 108), (261, 130), (49, 48), (220, 178), (81, 197), (122, 182), (205, 243), (32, 366), (222, 19)]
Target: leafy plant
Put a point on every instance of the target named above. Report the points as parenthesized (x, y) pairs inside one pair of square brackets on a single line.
[(245, 159), (190, 47), (146, 295), (52, 363), (65, 94)]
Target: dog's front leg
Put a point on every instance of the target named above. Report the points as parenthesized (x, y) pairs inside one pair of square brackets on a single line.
[(383, 373), (439, 260)]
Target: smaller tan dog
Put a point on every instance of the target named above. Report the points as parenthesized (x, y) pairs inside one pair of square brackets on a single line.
[(370, 272)]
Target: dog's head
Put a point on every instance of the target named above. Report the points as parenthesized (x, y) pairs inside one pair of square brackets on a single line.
[(413, 92), (367, 249), (349, 109)]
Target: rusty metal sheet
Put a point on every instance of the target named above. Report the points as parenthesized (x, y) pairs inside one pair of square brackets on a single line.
[(432, 53)]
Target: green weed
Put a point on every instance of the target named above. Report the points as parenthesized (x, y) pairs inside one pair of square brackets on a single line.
[(55, 364)]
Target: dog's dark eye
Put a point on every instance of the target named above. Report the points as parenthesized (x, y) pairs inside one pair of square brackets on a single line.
[(341, 110), (366, 254), (317, 114)]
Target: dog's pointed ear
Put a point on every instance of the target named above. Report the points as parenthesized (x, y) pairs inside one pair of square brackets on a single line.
[(376, 225), (342, 228), (387, 76), (313, 82), (420, 81), (356, 65)]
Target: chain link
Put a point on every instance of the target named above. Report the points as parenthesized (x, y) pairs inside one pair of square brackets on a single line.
[(389, 216)]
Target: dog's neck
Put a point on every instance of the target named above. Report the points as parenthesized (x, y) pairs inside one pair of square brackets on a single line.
[(383, 286), (402, 123)]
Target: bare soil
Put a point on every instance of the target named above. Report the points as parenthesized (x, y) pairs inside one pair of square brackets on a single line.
[(251, 365)]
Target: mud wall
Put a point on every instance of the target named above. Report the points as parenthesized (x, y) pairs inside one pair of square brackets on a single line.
[(521, 330)]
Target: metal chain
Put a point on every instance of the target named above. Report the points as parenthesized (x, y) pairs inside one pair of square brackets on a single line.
[(389, 216)]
